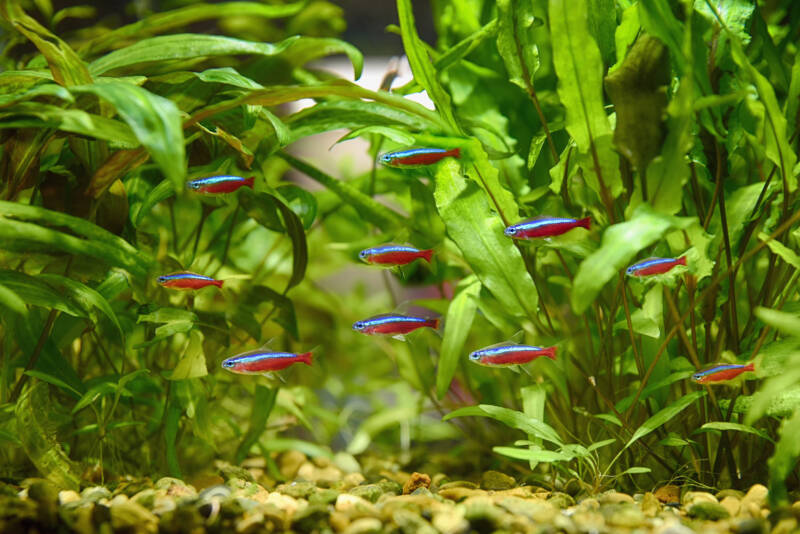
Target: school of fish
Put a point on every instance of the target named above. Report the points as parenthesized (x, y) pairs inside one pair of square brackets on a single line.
[(390, 255)]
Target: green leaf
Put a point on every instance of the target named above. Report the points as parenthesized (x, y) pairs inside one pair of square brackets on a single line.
[(306, 49), (664, 415), (378, 422), (621, 243), (34, 414), (183, 46), (164, 190), (533, 455), (25, 227), (779, 249), (577, 61), (424, 72), (478, 232), (457, 324), (784, 460), (533, 401), (38, 115), (193, 361), (37, 292), (54, 380), (177, 18), (638, 90), (172, 420), (155, 121), (95, 392), (515, 41), (738, 427), (263, 402), (635, 471), (228, 76), (294, 229), (787, 323), (511, 418)]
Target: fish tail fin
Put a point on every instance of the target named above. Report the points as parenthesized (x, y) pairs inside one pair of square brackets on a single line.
[(586, 222), (250, 181), (551, 353), (750, 367), (305, 357), (436, 322), (426, 254), (681, 261), (456, 152), (218, 283)]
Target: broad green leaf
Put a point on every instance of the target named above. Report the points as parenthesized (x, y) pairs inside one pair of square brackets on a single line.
[(20, 229), (778, 248), (35, 425), (621, 243), (302, 202), (44, 90), (183, 46), (306, 49), (533, 455), (287, 444), (38, 115), (263, 402), (601, 444), (398, 136), (228, 76), (635, 471), (511, 418), (466, 45), (294, 229), (533, 401), (155, 121), (515, 42), (56, 381), (457, 323), (67, 68), (37, 292), (95, 392), (193, 360), (421, 66), (638, 90), (735, 13), (602, 21), (164, 190), (580, 87), (787, 323), (738, 427), (784, 460), (478, 232), (167, 315), (664, 415), (184, 16)]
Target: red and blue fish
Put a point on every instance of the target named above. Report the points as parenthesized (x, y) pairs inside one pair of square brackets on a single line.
[(394, 255), (394, 324), (186, 280), (546, 227), (263, 361), (418, 157), (652, 266), (722, 373), (220, 184), (505, 354)]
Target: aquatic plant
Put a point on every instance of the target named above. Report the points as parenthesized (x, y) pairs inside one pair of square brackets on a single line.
[(671, 125)]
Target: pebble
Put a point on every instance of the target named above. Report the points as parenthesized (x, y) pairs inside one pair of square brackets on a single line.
[(411, 523), (346, 463), (68, 496), (323, 496), (710, 511), (370, 492), (495, 480), (614, 497), (451, 521), (459, 494), (696, 497), (289, 462), (131, 517), (458, 484), (416, 480), (95, 494), (364, 525), (669, 493), (623, 515), (390, 486), (320, 475), (561, 500), (650, 505), (754, 500), (355, 507), (731, 504)]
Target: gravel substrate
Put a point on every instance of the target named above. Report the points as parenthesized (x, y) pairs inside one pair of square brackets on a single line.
[(339, 496)]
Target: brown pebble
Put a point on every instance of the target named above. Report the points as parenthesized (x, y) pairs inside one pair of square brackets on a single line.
[(668, 493), (416, 480), (650, 505)]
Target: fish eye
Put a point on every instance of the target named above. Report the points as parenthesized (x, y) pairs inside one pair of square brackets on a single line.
[(358, 325), (696, 377), (162, 279), (362, 254), (227, 364), (474, 356), (510, 230)]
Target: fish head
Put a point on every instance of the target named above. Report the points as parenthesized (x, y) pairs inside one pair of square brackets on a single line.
[(511, 231), (698, 377), (193, 185), (228, 364), (386, 159), (359, 326), (363, 255), (630, 270), (162, 279)]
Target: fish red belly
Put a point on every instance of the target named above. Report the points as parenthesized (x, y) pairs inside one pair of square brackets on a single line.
[(549, 230), (397, 328), (656, 269), (394, 258), (189, 283), (728, 374), (513, 358), (267, 364)]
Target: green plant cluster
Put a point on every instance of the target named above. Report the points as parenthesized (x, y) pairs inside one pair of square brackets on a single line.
[(673, 124)]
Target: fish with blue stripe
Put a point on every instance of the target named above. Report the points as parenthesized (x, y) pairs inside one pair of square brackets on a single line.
[(393, 324), (505, 354), (653, 266), (545, 227), (220, 184), (418, 157), (187, 280), (722, 373), (263, 361), (394, 255)]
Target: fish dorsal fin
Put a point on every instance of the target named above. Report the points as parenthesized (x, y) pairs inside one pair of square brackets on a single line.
[(267, 345), (517, 337)]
